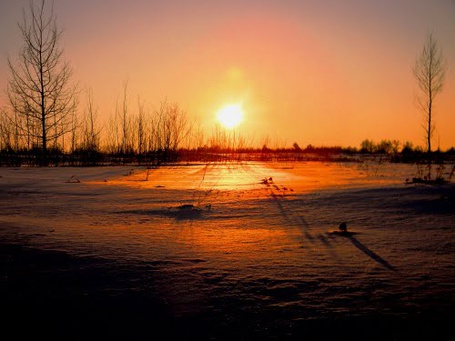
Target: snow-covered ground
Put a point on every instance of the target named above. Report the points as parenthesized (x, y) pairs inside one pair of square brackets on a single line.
[(227, 250)]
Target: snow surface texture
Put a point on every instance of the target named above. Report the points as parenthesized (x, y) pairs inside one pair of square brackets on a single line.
[(228, 250)]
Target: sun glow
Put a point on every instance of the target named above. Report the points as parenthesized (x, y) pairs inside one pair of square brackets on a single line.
[(230, 116)]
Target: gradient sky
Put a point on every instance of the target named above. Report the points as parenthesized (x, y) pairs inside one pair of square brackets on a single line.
[(322, 72)]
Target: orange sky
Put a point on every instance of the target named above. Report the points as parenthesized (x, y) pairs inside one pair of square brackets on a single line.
[(319, 72)]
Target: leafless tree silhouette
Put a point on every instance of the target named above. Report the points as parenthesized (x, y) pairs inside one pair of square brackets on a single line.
[(40, 90), (429, 71), (91, 132)]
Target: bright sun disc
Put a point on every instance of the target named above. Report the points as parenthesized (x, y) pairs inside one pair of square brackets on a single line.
[(230, 115)]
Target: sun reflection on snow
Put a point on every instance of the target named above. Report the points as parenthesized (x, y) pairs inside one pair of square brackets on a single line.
[(299, 177)]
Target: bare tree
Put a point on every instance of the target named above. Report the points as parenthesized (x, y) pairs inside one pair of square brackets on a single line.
[(74, 132), (125, 120), (6, 131), (113, 135), (126, 123), (91, 133), (141, 129), (429, 71), (40, 88)]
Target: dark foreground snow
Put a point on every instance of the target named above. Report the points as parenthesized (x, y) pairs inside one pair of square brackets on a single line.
[(215, 252)]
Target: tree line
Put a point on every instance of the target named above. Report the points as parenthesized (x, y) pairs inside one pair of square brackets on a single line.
[(42, 124)]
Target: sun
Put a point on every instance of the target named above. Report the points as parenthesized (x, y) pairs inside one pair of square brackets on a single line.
[(230, 116)]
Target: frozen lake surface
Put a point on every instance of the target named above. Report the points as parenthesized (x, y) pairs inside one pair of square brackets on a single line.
[(227, 251)]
